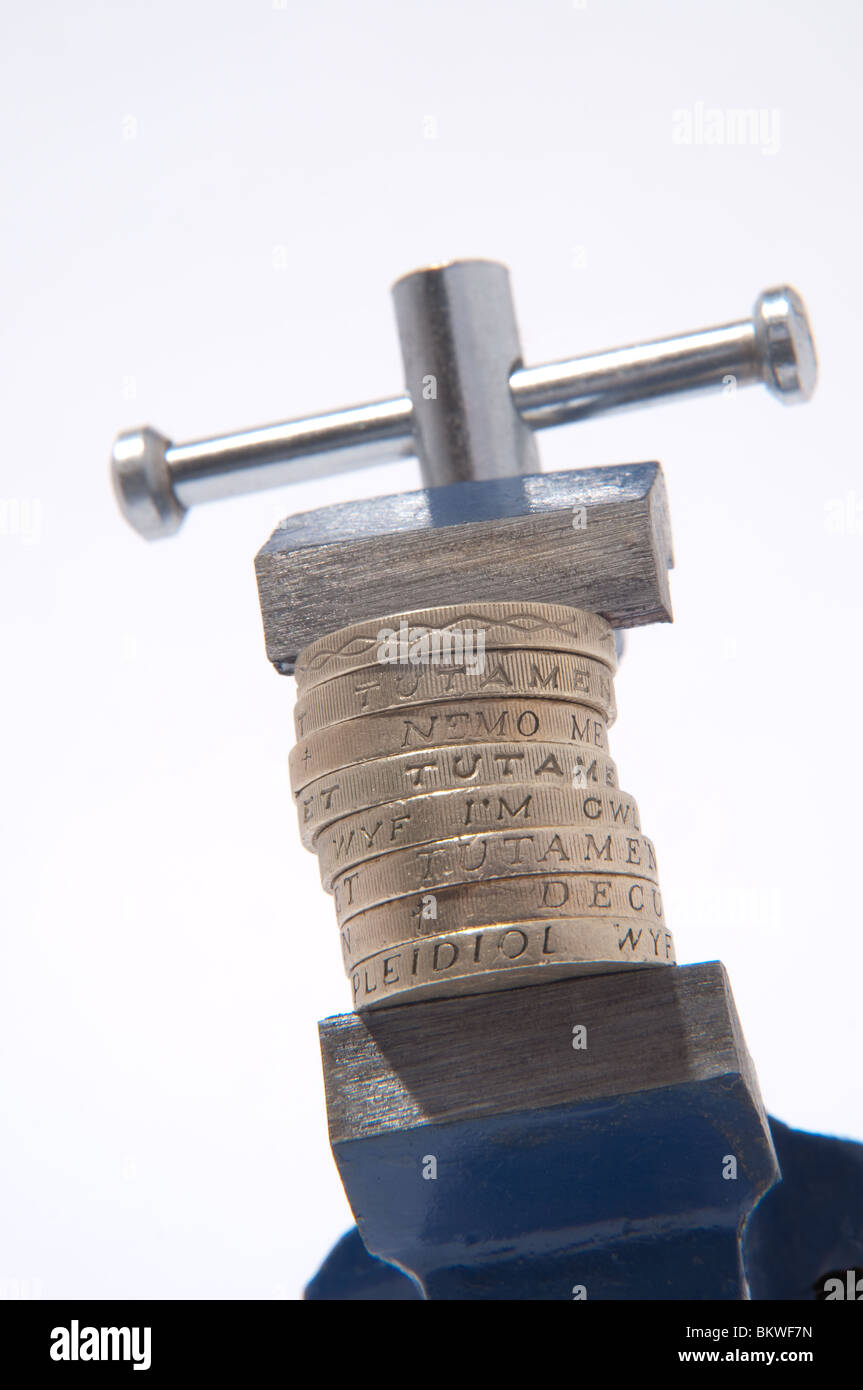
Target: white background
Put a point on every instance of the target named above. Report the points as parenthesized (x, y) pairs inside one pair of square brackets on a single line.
[(205, 205)]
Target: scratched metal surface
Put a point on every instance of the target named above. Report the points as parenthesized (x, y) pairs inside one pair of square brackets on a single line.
[(509, 1052), (508, 540)]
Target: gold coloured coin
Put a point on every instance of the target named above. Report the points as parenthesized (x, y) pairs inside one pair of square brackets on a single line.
[(547, 896), (528, 888), (515, 674), (458, 630), (447, 722), (502, 956), (453, 776), (443, 816), (472, 767)]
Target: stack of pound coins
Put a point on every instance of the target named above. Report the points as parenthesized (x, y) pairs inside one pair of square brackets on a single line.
[(452, 774)]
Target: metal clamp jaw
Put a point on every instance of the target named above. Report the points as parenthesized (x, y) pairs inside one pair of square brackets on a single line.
[(471, 408)]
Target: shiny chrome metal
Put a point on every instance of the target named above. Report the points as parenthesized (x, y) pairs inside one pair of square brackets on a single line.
[(460, 347), (775, 347), (156, 482), (458, 327), (565, 391), (312, 447)]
